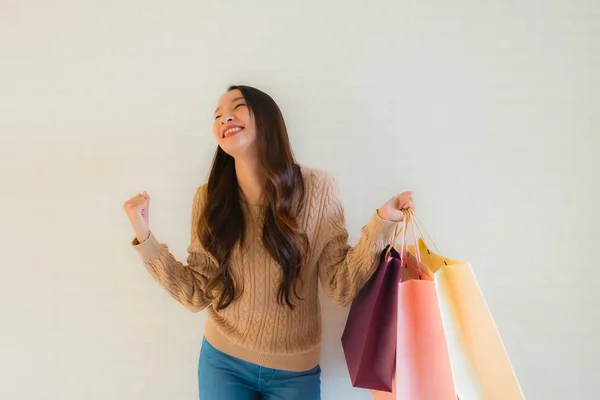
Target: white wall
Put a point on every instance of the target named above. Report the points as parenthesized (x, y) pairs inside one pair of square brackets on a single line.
[(488, 112)]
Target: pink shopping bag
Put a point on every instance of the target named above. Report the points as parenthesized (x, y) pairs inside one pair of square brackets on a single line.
[(423, 370)]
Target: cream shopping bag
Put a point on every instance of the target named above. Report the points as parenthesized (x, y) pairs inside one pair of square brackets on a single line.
[(481, 367)]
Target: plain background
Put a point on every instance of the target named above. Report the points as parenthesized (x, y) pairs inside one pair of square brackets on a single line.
[(488, 111)]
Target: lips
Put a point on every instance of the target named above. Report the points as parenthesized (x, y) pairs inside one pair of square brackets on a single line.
[(231, 130)]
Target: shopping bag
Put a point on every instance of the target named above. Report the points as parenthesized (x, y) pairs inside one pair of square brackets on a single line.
[(381, 395), (369, 337), (423, 370), (480, 364)]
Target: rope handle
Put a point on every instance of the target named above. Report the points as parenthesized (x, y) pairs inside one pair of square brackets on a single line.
[(408, 219)]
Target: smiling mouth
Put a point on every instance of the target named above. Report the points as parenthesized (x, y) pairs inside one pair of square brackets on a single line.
[(232, 131)]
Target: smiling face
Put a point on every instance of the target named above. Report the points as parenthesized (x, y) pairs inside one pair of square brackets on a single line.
[(234, 126)]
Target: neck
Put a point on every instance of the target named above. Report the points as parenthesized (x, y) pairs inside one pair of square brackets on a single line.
[(249, 178)]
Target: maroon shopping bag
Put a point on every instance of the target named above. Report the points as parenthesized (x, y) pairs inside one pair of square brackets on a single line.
[(369, 338)]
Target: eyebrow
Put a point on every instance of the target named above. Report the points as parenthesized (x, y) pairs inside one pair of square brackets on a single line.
[(233, 101)]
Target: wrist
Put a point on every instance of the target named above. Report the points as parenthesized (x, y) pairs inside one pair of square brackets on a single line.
[(142, 237)]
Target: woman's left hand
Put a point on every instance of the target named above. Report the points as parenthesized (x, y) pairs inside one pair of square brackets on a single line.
[(392, 209)]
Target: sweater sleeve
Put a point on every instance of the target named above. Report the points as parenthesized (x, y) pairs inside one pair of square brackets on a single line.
[(185, 283), (344, 270)]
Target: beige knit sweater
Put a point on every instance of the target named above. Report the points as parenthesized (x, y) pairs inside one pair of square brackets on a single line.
[(256, 328)]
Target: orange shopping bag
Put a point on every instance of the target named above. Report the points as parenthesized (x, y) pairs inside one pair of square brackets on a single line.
[(423, 370)]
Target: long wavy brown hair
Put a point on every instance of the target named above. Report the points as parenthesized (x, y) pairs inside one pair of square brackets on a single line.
[(221, 225)]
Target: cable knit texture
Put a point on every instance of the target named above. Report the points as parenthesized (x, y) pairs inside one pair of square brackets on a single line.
[(255, 327)]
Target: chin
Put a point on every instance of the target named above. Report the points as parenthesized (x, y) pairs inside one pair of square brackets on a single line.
[(235, 151)]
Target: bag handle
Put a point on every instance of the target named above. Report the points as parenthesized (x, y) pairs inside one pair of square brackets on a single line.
[(403, 247), (397, 233), (421, 226), (408, 219)]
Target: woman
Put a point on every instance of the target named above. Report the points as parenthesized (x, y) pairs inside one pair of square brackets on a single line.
[(264, 232)]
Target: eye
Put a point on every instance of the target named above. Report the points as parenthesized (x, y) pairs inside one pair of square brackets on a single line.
[(239, 105), (217, 116)]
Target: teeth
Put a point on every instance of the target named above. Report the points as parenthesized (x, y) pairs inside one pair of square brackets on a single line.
[(231, 130)]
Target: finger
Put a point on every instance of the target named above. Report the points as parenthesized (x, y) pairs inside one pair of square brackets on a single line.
[(142, 198), (407, 205), (407, 199), (400, 199), (136, 197), (403, 197), (136, 201)]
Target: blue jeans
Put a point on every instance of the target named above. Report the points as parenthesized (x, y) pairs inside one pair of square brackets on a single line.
[(224, 377)]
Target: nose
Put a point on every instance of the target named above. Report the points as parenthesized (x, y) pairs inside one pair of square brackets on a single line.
[(226, 119)]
